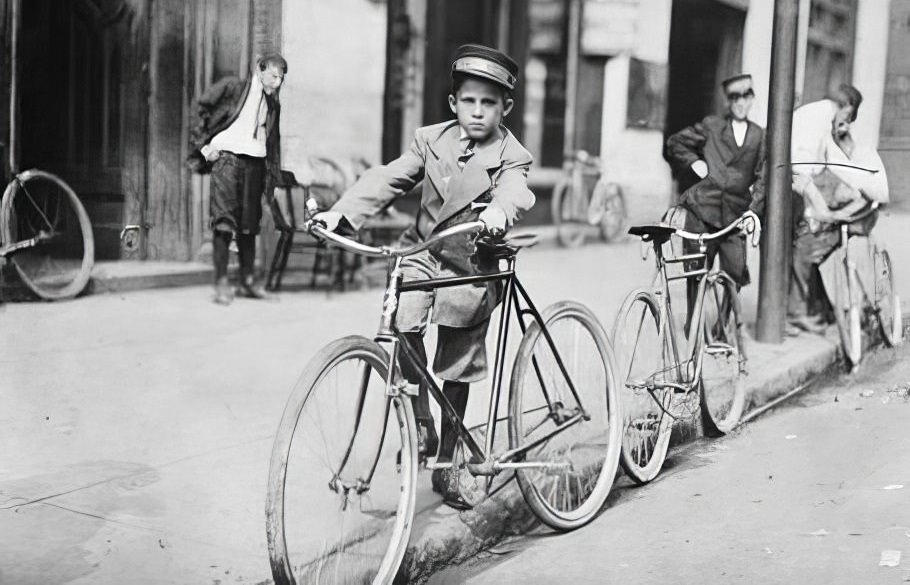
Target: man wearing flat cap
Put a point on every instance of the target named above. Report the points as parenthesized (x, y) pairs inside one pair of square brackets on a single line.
[(726, 154), (472, 168)]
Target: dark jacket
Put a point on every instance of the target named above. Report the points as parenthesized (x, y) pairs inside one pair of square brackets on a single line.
[(217, 109), (723, 195)]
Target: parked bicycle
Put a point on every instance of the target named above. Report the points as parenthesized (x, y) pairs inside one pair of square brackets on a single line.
[(662, 380), (45, 232), (864, 310), (343, 472), (582, 200)]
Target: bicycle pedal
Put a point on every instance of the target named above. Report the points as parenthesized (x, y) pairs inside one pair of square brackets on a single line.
[(434, 466)]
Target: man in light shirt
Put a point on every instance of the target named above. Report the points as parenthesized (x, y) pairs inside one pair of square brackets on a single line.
[(236, 138), (726, 153), (825, 194)]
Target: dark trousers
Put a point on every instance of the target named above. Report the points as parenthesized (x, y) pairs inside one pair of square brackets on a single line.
[(732, 253), (806, 295), (238, 182)]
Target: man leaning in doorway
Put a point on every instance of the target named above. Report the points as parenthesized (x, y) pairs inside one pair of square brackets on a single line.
[(237, 140), (726, 153)]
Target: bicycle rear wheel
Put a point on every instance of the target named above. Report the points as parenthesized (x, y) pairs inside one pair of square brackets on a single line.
[(643, 356), (580, 459), (723, 385), (571, 228), (608, 208), (343, 472), (887, 303), (40, 206)]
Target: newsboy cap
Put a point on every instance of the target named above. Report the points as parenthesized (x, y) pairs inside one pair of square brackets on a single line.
[(737, 77), (485, 62)]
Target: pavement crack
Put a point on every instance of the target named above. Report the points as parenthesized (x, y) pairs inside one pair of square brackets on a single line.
[(99, 517)]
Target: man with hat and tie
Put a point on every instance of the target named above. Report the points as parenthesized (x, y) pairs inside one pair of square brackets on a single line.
[(726, 153), (472, 168)]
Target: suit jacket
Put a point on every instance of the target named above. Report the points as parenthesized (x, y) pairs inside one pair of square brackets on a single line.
[(216, 110), (723, 195), (496, 175)]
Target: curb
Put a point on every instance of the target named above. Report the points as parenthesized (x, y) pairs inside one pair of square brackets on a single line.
[(451, 538)]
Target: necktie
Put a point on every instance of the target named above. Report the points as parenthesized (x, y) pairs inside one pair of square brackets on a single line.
[(468, 153)]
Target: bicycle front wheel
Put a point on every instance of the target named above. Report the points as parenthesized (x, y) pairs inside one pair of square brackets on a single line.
[(570, 227), (846, 313), (40, 207), (343, 472), (563, 406), (723, 385), (887, 303), (644, 359)]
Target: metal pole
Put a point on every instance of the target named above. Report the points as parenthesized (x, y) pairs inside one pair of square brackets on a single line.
[(572, 56), (14, 90), (776, 246)]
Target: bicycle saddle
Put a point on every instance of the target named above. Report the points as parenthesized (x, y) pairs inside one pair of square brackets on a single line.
[(655, 232)]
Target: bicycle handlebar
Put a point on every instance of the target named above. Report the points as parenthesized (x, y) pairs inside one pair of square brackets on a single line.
[(873, 207), (748, 222), (316, 228)]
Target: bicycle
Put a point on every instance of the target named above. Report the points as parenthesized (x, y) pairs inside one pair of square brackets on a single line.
[(661, 383), (46, 233), (857, 312), (582, 199), (347, 438)]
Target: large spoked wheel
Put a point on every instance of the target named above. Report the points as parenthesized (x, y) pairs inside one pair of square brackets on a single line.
[(342, 476), (571, 227), (847, 315), (643, 357), (887, 303), (723, 391), (607, 210), (41, 207), (565, 403)]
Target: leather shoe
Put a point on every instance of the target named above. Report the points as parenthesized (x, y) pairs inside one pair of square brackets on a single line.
[(808, 324), (252, 290)]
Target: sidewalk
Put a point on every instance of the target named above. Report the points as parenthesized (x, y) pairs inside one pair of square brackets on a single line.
[(137, 427)]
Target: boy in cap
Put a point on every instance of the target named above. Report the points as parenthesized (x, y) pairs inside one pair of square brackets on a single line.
[(472, 168), (726, 153)]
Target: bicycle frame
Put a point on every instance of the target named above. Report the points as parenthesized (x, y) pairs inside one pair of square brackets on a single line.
[(693, 360), (515, 300)]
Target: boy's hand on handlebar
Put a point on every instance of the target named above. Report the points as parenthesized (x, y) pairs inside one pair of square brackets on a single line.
[(328, 219), (494, 220), (750, 224)]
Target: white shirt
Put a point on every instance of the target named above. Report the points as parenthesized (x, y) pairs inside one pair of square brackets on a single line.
[(246, 135), (739, 131)]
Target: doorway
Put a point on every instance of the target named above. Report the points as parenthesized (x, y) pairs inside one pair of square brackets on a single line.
[(81, 108), (705, 48)]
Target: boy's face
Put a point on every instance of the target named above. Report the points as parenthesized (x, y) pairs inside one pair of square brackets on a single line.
[(479, 107), (271, 79)]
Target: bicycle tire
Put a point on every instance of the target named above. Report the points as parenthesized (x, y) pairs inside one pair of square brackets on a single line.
[(373, 551), (589, 449), (570, 233), (723, 385), (846, 316), (887, 302), (60, 265), (647, 424), (609, 197)]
